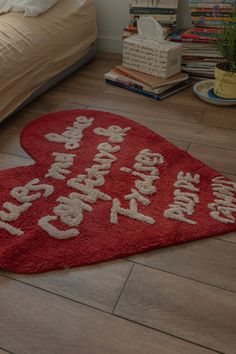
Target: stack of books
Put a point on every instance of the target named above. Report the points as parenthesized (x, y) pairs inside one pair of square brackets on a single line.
[(212, 13), (164, 11), (200, 53), (147, 85)]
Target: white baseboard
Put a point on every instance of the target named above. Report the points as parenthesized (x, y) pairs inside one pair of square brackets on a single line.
[(109, 44)]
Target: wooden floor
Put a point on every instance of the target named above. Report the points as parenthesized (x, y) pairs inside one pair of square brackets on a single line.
[(178, 300)]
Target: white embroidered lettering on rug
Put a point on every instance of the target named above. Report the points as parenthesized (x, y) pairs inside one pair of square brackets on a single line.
[(184, 202), (103, 188), (72, 136), (146, 162), (115, 133), (70, 210), (21, 195), (224, 206), (59, 169)]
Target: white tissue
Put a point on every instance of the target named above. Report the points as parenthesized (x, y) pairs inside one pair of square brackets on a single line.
[(149, 28)]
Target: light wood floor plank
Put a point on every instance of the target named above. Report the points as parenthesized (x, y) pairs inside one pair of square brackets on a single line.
[(4, 352), (220, 159), (10, 143), (134, 105), (180, 144), (97, 285), (9, 161), (19, 120), (213, 115), (183, 131), (84, 80), (173, 130), (231, 237), (185, 308), (209, 261), (232, 177), (42, 106), (222, 118), (34, 321)]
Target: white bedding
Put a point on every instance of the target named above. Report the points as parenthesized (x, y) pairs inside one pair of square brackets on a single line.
[(31, 8), (35, 49)]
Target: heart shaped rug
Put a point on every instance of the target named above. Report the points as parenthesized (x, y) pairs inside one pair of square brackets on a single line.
[(104, 187)]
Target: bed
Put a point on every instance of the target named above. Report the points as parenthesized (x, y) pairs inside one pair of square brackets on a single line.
[(36, 53)]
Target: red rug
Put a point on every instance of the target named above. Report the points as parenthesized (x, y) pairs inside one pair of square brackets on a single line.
[(104, 187)]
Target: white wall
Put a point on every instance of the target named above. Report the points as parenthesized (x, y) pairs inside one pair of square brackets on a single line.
[(113, 16)]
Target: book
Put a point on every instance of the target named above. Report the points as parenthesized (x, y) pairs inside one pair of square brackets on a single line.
[(196, 77), (198, 64), (212, 10), (231, 2), (208, 7), (127, 32), (179, 87), (212, 18), (212, 13), (205, 5), (149, 80), (152, 11), (116, 76), (173, 4), (170, 19), (218, 16), (200, 52), (131, 29), (218, 24), (164, 11), (206, 34)]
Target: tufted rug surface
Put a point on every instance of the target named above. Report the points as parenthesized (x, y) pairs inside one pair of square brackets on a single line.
[(104, 187)]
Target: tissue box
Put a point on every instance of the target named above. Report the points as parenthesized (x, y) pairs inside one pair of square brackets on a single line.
[(161, 59)]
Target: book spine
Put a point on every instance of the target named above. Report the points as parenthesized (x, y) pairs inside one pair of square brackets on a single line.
[(212, 9), (211, 14), (179, 87), (155, 3), (158, 97), (150, 11), (206, 19), (160, 18), (201, 55), (210, 6), (209, 31), (128, 81), (145, 3), (214, 2), (200, 37), (199, 40), (133, 89)]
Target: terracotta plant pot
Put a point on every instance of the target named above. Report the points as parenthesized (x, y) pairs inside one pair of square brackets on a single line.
[(225, 82)]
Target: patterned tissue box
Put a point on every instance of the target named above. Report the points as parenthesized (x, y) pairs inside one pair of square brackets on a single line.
[(161, 59)]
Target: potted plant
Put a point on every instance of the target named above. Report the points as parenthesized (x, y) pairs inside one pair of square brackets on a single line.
[(225, 72)]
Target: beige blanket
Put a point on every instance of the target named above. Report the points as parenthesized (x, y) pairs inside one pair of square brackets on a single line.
[(33, 50)]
